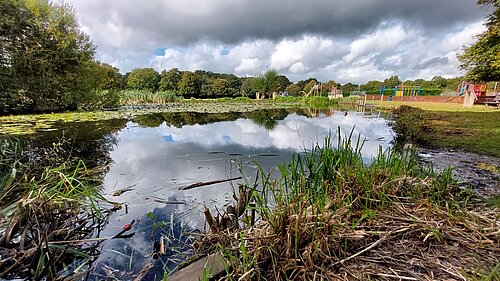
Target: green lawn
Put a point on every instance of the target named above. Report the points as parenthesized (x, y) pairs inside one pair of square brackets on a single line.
[(475, 129), (434, 106)]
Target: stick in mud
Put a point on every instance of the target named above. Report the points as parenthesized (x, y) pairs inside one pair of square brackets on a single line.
[(200, 184)]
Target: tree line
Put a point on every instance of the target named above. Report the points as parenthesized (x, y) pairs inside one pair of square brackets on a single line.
[(206, 84), (47, 64)]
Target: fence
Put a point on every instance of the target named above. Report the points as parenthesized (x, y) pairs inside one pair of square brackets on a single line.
[(452, 99)]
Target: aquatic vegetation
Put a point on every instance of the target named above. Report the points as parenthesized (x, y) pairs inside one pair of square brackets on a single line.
[(327, 214), (46, 219), (30, 124), (131, 97)]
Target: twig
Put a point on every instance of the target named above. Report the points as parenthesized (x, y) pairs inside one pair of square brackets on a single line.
[(200, 184), (368, 248), (79, 241), (396, 276)]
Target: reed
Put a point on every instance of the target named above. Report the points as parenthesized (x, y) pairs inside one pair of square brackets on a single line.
[(328, 214), (42, 215), (136, 97)]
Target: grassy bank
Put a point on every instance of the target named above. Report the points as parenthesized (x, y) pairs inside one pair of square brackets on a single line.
[(329, 216), (475, 131), (433, 106)]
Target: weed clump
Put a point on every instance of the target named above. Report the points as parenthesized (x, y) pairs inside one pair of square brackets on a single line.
[(46, 220), (330, 216)]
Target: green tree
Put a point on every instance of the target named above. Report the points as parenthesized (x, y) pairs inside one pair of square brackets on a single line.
[(330, 84), (246, 88), (439, 82), (372, 85), (99, 86), (143, 79), (349, 87), (482, 59), (170, 80), (266, 83), (221, 88), (189, 86), (43, 56), (392, 82), (283, 82), (293, 90)]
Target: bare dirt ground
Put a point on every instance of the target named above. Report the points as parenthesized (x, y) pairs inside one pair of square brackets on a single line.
[(482, 172)]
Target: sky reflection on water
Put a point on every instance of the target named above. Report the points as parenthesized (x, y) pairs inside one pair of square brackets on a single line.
[(156, 161)]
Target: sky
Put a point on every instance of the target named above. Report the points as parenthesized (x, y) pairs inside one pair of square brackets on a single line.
[(346, 41)]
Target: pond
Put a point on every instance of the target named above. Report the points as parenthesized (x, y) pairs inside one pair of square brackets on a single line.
[(153, 156)]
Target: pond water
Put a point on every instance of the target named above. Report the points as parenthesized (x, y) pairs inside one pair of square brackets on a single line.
[(152, 156)]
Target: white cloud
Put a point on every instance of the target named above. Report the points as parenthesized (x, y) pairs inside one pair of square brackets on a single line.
[(348, 42), (455, 40), (379, 41), (248, 65)]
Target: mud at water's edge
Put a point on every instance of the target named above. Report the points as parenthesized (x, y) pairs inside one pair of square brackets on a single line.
[(482, 172)]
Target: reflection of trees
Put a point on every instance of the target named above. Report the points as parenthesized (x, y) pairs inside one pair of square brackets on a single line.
[(267, 118), (179, 119), (89, 141)]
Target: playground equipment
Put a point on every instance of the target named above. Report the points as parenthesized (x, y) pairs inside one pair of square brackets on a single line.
[(334, 93), (315, 88), (472, 92), (402, 90), (477, 89)]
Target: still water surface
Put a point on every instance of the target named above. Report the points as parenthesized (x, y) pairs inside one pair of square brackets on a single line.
[(154, 155)]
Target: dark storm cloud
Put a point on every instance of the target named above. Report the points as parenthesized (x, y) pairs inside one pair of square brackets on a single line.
[(189, 21)]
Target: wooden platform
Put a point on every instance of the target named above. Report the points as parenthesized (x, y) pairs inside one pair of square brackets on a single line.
[(209, 266)]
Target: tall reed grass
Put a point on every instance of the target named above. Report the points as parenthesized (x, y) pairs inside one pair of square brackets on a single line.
[(135, 97), (42, 215), (330, 215)]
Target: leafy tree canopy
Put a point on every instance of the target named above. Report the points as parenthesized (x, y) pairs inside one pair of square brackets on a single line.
[(189, 86), (143, 79), (43, 57), (170, 80), (482, 59), (266, 83)]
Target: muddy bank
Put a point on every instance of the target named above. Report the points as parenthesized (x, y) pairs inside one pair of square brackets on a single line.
[(482, 172)]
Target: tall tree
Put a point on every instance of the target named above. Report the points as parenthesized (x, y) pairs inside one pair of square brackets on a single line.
[(246, 88), (349, 87), (170, 80), (283, 82), (392, 81), (293, 90), (482, 59), (143, 79), (221, 88), (189, 86), (43, 55), (267, 83), (372, 85)]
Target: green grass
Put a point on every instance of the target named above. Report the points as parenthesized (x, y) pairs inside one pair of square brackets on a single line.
[(475, 131), (433, 106), (135, 97)]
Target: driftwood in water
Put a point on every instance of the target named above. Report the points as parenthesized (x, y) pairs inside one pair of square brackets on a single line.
[(205, 183)]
